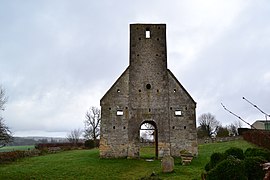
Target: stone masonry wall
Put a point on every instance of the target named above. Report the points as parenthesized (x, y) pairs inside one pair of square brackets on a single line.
[(114, 128), (147, 92)]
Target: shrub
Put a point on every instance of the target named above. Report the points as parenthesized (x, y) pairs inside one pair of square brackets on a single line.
[(253, 152), (32, 152), (234, 164), (64, 146), (231, 168), (207, 167), (11, 156), (14, 155), (214, 160), (253, 168), (235, 152), (91, 143)]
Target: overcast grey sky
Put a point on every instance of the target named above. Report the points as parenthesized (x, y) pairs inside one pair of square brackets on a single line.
[(58, 58)]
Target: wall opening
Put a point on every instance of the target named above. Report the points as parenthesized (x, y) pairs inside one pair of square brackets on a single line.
[(147, 34), (148, 140), (178, 113), (119, 113)]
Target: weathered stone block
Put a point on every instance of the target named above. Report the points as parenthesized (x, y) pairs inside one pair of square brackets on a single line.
[(167, 164), (186, 157)]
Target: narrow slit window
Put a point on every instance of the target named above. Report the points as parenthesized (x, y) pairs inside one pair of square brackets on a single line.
[(178, 113), (147, 34), (119, 113)]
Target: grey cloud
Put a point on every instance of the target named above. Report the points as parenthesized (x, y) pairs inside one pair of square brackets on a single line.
[(57, 58)]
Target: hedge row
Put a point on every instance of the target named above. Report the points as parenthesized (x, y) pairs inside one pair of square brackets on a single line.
[(44, 148), (89, 144), (63, 146), (14, 155), (258, 137)]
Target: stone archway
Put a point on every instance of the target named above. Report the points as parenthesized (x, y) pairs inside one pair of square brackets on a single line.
[(149, 135)]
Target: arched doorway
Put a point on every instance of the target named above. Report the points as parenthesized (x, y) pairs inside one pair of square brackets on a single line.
[(148, 139)]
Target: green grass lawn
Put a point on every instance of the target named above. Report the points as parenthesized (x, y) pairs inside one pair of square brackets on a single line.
[(14, 148), (148, 152), (86, 164)]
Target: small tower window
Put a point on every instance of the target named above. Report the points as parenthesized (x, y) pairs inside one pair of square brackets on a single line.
[(147, 34), (178, 113), (119, 113)]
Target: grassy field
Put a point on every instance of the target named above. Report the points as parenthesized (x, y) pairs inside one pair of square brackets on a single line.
[(86, 164), (14, 148)]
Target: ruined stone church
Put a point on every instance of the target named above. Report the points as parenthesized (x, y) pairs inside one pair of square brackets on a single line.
[(147, 92)]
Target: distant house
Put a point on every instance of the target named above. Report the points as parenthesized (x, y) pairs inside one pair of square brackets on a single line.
[(261, 124)]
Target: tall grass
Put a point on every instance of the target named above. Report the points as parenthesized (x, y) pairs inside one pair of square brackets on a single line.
[(86, 164)]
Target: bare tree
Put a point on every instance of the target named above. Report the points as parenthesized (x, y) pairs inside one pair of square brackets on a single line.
[(5, 133), (233, 127), (208, 124), (74, 136), (92, 123)]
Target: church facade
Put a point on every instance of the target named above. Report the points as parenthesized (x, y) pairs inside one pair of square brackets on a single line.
[(147, 92)]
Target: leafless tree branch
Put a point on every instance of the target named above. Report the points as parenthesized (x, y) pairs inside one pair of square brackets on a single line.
[(208, 123), (92, 123), (74, 136)]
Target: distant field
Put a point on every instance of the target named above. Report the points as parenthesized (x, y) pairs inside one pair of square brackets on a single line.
[(14, 148), (86, 164)]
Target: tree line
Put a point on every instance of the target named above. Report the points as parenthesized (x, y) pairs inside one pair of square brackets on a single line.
[(209, 126), (91, 130)]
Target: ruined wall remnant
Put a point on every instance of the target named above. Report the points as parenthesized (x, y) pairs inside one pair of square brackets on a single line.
[(147, 92)]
